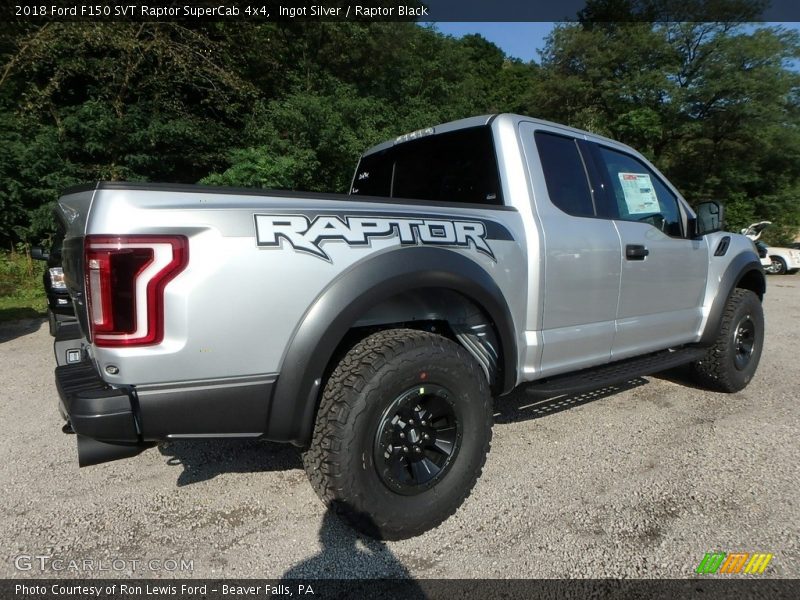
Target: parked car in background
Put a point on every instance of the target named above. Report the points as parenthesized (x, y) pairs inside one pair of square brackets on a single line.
[(59, 303), (783, 261), (775, 260)]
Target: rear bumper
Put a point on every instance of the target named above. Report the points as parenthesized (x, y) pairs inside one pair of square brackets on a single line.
[(95, 409), (60, 303), (69, 343), (235, 407), (113, 423)]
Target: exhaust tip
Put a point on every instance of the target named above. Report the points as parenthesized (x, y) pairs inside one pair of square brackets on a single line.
[(94, 452)]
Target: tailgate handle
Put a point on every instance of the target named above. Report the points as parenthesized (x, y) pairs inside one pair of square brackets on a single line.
[(636, 252)]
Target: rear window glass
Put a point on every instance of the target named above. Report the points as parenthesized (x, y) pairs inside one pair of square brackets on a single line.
[(565, 174), (459, 166)]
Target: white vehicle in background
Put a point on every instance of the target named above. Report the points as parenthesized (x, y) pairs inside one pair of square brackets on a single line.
[(775, 260)]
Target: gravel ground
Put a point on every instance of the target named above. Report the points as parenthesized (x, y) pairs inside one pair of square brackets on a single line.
[(639, 480)]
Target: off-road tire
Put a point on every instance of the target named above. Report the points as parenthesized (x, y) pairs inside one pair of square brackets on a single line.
[(341, 460), (718, 369)]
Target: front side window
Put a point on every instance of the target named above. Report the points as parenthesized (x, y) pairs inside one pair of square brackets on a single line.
[(459, 166), (637, 193)]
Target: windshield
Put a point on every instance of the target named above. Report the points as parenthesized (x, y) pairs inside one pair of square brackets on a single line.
[(459, 166)]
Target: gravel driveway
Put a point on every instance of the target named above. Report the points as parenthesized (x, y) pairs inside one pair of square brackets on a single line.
[(639, 480)]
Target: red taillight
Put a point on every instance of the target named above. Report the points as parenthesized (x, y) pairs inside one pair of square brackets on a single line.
[(125, 281)]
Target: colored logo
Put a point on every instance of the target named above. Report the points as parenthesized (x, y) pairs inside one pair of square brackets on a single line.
[(734, 562)]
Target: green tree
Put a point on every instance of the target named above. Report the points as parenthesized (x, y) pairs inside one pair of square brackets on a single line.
[(351, 85), (115, 101), (713, 104)]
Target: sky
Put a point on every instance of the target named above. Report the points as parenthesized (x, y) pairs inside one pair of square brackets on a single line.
[(522, 40)]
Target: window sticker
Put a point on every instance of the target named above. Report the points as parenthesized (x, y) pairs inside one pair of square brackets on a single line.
[(640, 195)]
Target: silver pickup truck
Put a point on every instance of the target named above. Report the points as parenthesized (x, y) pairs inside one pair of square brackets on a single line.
[(373, 329)]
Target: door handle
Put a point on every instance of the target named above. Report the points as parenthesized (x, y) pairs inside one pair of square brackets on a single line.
[(636, 252)]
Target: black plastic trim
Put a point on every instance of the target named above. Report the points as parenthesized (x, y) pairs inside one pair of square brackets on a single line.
[(740, 265), (94, 452), (72, 256), (227, 407), (212, 408), (636, 252), (722, 247), (350, 296), (69, 331), (94, 409), (613, 373), (67, 339), (240, 191)]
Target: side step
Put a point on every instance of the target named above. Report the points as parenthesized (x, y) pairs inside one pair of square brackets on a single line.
[(616, 372)]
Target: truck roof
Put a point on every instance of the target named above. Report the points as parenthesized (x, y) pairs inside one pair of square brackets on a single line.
[(480, 120)]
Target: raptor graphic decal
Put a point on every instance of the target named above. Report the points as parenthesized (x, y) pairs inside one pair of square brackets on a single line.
[(306, 234)]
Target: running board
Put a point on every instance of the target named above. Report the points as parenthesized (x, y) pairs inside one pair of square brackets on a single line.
[(612, 373)]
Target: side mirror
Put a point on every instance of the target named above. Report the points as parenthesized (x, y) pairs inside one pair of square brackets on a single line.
[(38, 253), (710, 217)]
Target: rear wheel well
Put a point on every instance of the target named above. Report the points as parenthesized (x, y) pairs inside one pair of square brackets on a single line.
[(437, 310)]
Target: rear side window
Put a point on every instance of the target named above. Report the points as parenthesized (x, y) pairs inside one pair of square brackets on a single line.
[(637, 193), (459, 166), (565, 174)]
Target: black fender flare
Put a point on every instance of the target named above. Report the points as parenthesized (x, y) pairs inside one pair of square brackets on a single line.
[(740, 266), (363, 286)]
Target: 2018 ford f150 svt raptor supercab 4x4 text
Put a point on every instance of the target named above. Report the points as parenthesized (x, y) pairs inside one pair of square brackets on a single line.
[(373, 329)]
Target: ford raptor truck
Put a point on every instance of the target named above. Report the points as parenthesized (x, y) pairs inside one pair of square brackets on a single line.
[(373, 329)]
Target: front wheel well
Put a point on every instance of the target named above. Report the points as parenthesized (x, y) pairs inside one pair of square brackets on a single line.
[(754, 281)]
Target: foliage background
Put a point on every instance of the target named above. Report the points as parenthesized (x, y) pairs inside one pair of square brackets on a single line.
[(713, 103)]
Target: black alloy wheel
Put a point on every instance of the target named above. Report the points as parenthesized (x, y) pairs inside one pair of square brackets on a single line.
[(744, 342), (418, 438)]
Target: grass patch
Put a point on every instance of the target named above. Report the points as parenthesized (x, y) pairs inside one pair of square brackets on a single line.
[(21, 291)]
